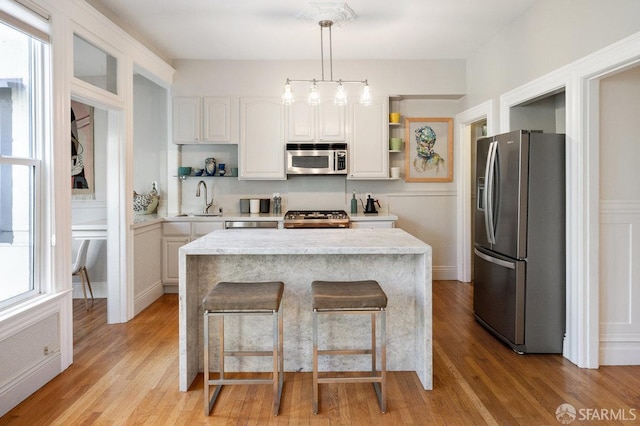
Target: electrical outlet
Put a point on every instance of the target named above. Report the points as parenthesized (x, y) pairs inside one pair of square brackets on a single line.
[(46, 350)]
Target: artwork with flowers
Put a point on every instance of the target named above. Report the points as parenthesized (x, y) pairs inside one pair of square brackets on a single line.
[(429, 149)]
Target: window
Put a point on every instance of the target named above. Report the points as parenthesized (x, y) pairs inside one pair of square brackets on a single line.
[(21, 129), (94, 66)]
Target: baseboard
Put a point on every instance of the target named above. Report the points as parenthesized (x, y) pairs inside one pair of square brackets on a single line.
[(100, 290), (444, 273), (16, 391), (147, 297), (171, 288), (616, 351)]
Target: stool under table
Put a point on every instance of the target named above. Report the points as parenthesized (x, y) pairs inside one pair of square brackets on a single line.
[(244, 298), (351, 297)]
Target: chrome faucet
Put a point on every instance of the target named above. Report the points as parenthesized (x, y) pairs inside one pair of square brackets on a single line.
[(207, 206)]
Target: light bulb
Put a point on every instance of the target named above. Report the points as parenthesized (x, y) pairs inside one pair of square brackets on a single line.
[(366, 98), (314, 96), (341, 95), (287, 96)]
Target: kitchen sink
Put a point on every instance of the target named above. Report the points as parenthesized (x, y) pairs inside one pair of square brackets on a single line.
[(217, 214)]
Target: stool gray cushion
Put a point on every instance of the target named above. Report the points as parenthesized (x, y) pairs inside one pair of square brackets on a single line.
[(348, 295), (244, 296)]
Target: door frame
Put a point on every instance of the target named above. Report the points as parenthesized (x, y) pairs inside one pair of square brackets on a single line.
[(464, 121), (581, 80)]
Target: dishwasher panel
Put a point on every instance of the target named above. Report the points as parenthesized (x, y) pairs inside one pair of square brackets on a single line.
[(251, 224)]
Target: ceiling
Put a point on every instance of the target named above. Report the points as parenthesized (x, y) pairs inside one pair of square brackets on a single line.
[(269, 29)]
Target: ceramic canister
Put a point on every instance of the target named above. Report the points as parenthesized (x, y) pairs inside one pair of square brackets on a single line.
[(254, 205)]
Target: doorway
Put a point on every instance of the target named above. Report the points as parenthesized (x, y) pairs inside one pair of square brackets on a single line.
[(88, 195), (471, 125), (619, 200)]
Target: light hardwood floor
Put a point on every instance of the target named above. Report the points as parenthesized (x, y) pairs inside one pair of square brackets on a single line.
[(127, 374)]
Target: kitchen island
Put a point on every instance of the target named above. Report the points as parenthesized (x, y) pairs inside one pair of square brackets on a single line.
[(398, 261)]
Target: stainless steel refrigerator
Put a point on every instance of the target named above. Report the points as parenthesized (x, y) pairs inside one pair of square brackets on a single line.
[(519, 251)]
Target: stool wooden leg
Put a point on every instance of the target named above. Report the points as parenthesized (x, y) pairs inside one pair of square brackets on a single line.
[(315, 362), (84, 290), (209, 399), (381, 388), (373, 343), (88, 282), (383, 359), (205, 367), (278, 374)]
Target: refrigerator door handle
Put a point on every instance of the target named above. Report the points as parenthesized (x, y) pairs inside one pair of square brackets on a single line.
[(489, 174), (493, 260)]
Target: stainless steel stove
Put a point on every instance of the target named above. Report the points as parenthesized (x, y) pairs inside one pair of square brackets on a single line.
[(316, 219)]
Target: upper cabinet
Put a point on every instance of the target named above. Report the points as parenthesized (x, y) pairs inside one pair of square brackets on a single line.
[(261, 148), (368, 148), (187, 114), (325, 122), (212, 119)]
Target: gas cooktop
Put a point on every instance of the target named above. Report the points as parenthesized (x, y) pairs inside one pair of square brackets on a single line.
[(316, 219)]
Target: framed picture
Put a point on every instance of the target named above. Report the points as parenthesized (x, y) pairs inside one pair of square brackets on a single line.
[(82, 167), (429, 149)]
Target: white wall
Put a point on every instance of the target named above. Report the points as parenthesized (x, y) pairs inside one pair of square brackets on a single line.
[(619, 219), (27, 327), (549, 35), (545, 47), (424, 209), (150, 130)]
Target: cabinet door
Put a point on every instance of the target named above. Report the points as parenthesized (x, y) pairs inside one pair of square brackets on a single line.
[(368, 150), (186, 119), (301, 118), (170, 258), (203, 228), (262, 139), (220, 120), (371, 224), (331, 122)]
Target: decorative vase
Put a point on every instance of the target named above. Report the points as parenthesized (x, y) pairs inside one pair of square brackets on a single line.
[(210, 166), (221, 169)]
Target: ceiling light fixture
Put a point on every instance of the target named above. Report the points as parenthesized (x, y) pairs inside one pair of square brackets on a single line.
[(328, 14)]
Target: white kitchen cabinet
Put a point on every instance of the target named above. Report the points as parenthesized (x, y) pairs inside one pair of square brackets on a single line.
[(170, 258), (368, 148), (187, 114), (220, 119), (262, 137), (212, 119), (316, 123), (174, 236), (199, 229), (147, 266), (371, 224)]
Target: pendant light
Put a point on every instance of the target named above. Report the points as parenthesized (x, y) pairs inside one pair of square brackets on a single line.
[(343, 13)]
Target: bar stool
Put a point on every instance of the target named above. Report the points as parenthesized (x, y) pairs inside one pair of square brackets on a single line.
[(244, 298), (351, 297)]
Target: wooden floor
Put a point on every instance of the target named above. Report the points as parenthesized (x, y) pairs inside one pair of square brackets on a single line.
[(127, 374)]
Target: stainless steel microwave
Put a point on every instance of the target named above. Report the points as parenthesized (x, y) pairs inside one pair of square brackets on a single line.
[(317, 158)]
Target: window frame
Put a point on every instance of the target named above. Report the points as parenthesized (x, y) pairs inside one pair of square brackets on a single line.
[(39, 132)]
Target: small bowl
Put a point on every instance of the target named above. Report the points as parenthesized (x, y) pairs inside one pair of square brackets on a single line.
[(197, 172), (184, 171)]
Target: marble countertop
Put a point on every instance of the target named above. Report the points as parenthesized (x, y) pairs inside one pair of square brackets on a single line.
[(307, 241), (151, 219)]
